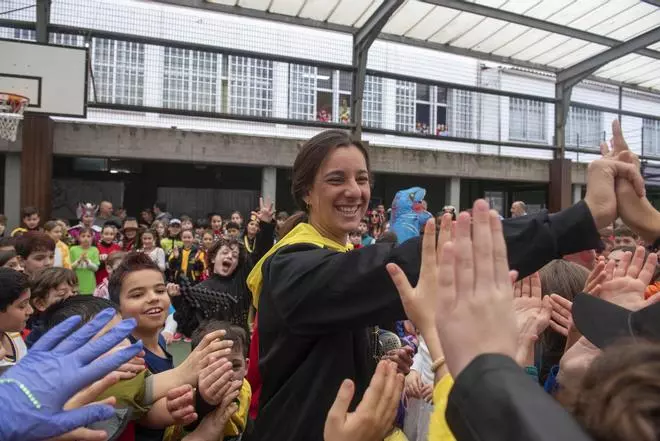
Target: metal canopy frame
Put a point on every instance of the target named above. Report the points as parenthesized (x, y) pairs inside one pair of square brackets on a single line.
[(363, 38)]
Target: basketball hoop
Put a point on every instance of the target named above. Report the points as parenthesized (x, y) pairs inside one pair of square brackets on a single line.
[(11, 114)]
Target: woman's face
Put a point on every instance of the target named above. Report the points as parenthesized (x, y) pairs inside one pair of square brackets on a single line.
[(216, 223), (207, 240), (160, 228), (340, 194), (236, 217), (252, 228), (148, 240)]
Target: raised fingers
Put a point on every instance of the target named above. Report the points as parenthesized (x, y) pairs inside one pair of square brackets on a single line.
[(482, 242), (464, 268)]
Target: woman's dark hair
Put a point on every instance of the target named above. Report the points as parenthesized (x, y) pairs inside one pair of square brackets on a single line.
[(566, 279), (307, 165), (154, 233), (619, 399)]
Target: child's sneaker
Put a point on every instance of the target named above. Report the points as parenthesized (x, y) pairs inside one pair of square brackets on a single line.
[(177, 337)]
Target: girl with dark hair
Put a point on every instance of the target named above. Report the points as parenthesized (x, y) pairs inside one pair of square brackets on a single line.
[(315, 298)]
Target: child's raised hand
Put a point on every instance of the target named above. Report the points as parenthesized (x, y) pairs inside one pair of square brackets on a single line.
[(180, 405), (211, 346), (173, 289), (374, 416)]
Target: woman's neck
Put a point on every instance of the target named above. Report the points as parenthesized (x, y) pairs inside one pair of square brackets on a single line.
[(149, 248), (340, 238)]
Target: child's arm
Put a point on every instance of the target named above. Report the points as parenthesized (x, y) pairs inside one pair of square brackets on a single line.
[(160, 259), (158, 416), (93, 259)]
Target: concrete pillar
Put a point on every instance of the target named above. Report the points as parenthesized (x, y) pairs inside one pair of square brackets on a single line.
[(453, 192), (269, 183), (577, 193), (12, 208)]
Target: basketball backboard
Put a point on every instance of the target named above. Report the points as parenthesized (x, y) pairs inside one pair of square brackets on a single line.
[(54, 78)]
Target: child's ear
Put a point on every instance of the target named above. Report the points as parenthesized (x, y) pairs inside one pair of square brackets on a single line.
[(39, 304), (247, 363)]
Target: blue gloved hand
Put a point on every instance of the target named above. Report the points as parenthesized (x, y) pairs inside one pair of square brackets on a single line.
[(59, 365)]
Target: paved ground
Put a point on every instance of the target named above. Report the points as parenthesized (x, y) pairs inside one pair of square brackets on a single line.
[(179, 351)]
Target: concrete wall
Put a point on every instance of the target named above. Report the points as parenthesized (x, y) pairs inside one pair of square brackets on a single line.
[(75, 139)]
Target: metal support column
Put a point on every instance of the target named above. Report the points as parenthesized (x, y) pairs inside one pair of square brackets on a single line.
[(43, 20), (363, 38)]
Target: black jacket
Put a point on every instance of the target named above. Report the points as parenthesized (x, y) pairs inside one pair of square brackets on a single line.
[(316, 304), (197, 303), (493, 399)]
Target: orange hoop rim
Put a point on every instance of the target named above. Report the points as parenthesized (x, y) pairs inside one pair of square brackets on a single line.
[(13, 97), (13, 103)]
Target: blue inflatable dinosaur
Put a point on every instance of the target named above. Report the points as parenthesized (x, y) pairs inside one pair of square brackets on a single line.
[(408, 214)]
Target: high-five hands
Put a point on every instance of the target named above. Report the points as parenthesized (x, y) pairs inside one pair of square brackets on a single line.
[(374, 416), (635, 210)]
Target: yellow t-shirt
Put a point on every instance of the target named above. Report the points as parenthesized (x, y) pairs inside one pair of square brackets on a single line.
[(185, 255), (438, 428)]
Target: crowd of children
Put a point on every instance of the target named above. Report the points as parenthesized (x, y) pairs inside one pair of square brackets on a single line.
[(185, 280)]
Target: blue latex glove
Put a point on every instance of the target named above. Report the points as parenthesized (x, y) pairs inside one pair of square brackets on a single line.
[(59, 365)]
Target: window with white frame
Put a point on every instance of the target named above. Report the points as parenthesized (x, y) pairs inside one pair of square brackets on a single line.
[(527, 120), (250, 86), (461, 112), (344, 90), (584, 128), (190, 79), (118, 68), (326, 109), (302, 92), (372, 102), (405, 106), (651, 137), (423, 109), (53, 37)]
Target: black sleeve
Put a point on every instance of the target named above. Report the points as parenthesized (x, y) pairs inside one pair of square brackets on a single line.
[(318, 290), (533, 241), (264, 241), (494, 399)]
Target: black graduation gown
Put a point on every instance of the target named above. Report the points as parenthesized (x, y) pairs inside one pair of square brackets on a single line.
[(316, 304), (493, 399)]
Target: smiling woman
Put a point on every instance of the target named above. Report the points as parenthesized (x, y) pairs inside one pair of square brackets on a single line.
[(316, 298)]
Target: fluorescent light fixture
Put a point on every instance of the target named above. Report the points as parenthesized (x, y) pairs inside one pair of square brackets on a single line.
[(323, 77)]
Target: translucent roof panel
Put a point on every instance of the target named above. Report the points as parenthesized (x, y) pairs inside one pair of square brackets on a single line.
[(544, 34)]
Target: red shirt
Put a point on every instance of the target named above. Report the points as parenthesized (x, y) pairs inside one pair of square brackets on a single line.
[(106, 249), (253, 376)]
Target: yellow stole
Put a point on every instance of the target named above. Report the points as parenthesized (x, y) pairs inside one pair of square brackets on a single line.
[(301, 233)]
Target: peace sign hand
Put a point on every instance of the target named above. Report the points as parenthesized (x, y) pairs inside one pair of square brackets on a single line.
[(266, 210)]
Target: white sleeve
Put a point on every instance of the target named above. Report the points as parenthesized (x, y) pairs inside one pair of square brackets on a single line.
[(160, 259), (170, 324)]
